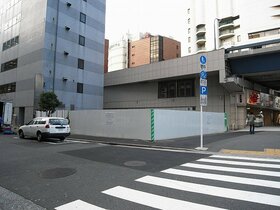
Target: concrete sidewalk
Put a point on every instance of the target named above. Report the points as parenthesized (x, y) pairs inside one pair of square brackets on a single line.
[(265, 142)]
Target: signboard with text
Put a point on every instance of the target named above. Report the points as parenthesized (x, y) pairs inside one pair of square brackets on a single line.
[(203, 81)]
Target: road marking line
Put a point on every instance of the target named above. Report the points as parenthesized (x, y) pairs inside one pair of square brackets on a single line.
[(246, 158), (255, 197), (81, 142), (225, 178), (263, 165), (152, 200), (229, 169), (54, 143), (78, 205), (65, 142)]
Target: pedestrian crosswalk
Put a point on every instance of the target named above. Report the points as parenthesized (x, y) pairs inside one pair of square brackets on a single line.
[(215, 182), (263, 175)]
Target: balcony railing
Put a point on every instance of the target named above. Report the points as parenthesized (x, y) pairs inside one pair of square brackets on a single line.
[(201, 29), (225, 23), (199, 37), (201, 49)]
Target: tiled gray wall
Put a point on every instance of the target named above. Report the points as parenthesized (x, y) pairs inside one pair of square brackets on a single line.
[(166, 69), (35, 53), (145, 95), (66, 66)]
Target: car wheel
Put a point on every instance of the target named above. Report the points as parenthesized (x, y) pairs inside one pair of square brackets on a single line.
[(62, 138), (39, 136), (21, 134)]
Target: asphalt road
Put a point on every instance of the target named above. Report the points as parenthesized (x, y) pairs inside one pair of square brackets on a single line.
[(54, 175)]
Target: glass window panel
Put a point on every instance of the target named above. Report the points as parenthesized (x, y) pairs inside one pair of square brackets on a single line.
[(82, 40)]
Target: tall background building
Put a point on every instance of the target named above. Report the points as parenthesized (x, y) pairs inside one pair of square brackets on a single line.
[(55, 46), (214, 24), (148, 49)]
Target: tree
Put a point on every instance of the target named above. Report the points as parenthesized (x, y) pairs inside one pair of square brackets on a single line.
[(48, 102)]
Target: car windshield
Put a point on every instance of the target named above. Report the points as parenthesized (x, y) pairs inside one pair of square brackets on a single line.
[(58, 121)]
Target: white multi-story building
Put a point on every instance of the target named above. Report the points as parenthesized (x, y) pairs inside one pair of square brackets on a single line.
[(51, 45), (214, 24), (118, 55)]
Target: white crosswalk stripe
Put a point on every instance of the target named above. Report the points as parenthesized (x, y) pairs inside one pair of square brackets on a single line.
[(246, 158), (228, 169), (225, 178), (152, 200), (264, 165), (215, 191), (254, 186), (78, 205), (232, 169)]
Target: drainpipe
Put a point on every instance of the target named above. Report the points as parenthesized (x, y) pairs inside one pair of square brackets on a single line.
[(55, 45)]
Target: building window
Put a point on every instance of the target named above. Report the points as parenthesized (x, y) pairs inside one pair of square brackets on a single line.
[(189, 21), (156, 49), (238, 38), (9, 65), (83, 17), (185, 88), (167, 89), (176, 88), (189, 30), (189, 50), (189, 39), (10, 43), (189, 10), (81, 63), (171, 90), (266, 33), (85, 0), (162, 89), (82, 40), (80, 87), (8, 88)]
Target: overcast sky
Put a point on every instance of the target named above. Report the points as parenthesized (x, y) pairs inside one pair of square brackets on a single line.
[(159, 17)]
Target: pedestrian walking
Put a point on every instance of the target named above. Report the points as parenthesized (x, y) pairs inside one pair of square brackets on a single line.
[(251, 121), (278, 119), (1, 123)]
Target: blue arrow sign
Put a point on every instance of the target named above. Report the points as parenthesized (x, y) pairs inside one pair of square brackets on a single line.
[(202, 60), (203, 75), (203, 90)]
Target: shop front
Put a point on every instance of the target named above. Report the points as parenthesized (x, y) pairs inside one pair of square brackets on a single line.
[(265, 107)]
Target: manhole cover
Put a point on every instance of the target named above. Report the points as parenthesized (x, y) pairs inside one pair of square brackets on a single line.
[(135, 163), (57, 173)]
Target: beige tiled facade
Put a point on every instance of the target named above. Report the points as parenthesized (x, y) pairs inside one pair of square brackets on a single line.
[(140, 51)]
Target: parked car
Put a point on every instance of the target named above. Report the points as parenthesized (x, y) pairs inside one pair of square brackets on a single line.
[(259, 120), (46, 127)]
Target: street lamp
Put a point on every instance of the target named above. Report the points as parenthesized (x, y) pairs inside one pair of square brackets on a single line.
[(216, 19)]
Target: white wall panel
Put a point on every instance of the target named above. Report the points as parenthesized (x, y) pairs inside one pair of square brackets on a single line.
[(136, 123), (130, 124), (176, 124)]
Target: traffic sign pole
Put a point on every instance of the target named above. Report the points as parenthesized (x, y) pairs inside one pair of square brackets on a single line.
[(201, 127), (203, 96)]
